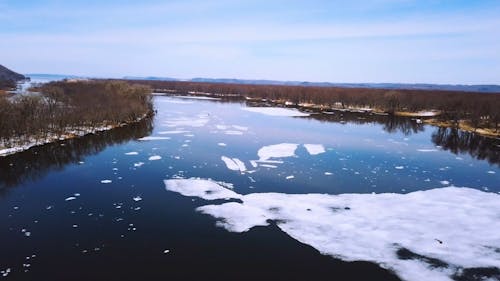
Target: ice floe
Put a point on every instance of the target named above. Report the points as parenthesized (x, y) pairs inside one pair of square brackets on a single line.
[(132, 153), (277, 151), (234, 164), (138, 164), (233, 132), (221, 144), (106, 181), (425, 235), (70, 198), (276, 111), (153, 138), (427, 150), (202, 188), (172, 132), (154, 157), (314, 149)]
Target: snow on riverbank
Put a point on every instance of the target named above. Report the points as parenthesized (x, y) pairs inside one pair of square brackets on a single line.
[(419, 235), (53, 138), (276, 111)]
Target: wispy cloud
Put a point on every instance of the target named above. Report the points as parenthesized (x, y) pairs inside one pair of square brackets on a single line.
[(208, 38)]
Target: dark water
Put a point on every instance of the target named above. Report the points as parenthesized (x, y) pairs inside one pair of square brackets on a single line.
[(121, 230)]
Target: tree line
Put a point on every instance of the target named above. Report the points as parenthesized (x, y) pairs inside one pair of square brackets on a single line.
[(59, 108), (481, 109)]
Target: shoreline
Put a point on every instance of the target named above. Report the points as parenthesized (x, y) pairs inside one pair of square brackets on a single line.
[(428, 116), (70, 134)]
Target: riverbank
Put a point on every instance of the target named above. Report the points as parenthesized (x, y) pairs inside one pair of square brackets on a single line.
[(430, 117), (72, 133)]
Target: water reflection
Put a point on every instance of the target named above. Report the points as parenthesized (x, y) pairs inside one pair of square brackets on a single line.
[(390, 124), (38, 161), (457, 141)]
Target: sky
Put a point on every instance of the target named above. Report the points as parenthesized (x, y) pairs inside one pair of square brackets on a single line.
[(371, 41)]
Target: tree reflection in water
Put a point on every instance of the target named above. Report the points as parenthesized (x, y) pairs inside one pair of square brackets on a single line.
[(390, 124), (38, 161), (450, 139), (457, 141)]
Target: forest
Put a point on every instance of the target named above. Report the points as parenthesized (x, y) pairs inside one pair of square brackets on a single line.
[(478, 110), (65, 108)]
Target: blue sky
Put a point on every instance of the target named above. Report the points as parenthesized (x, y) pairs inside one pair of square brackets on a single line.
[(411, 41)]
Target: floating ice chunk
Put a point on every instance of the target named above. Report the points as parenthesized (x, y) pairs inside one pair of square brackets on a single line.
[(427, 150), (290, 177), (491, 172), (221, 144), (399, 167), (106, 181), (172, 132), (269, 166), (154, 157), (444, 182), (205, 189), (253, 163), (221, 127), (166, 251), (197, 98), (347, 227), (240, 128), (315, 149), (277, 151), (232, 132), (328, 173), (234, 164), (153, 138), (138, 164), (132, 153), (276, 111), (68, 199), (137, 198)]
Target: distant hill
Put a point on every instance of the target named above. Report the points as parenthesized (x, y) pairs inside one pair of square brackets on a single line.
[(391, 86), (444, 87), (9, 78), (9, 75)]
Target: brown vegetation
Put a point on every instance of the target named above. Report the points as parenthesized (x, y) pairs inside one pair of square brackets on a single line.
[(62, 107), (480, 110)]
